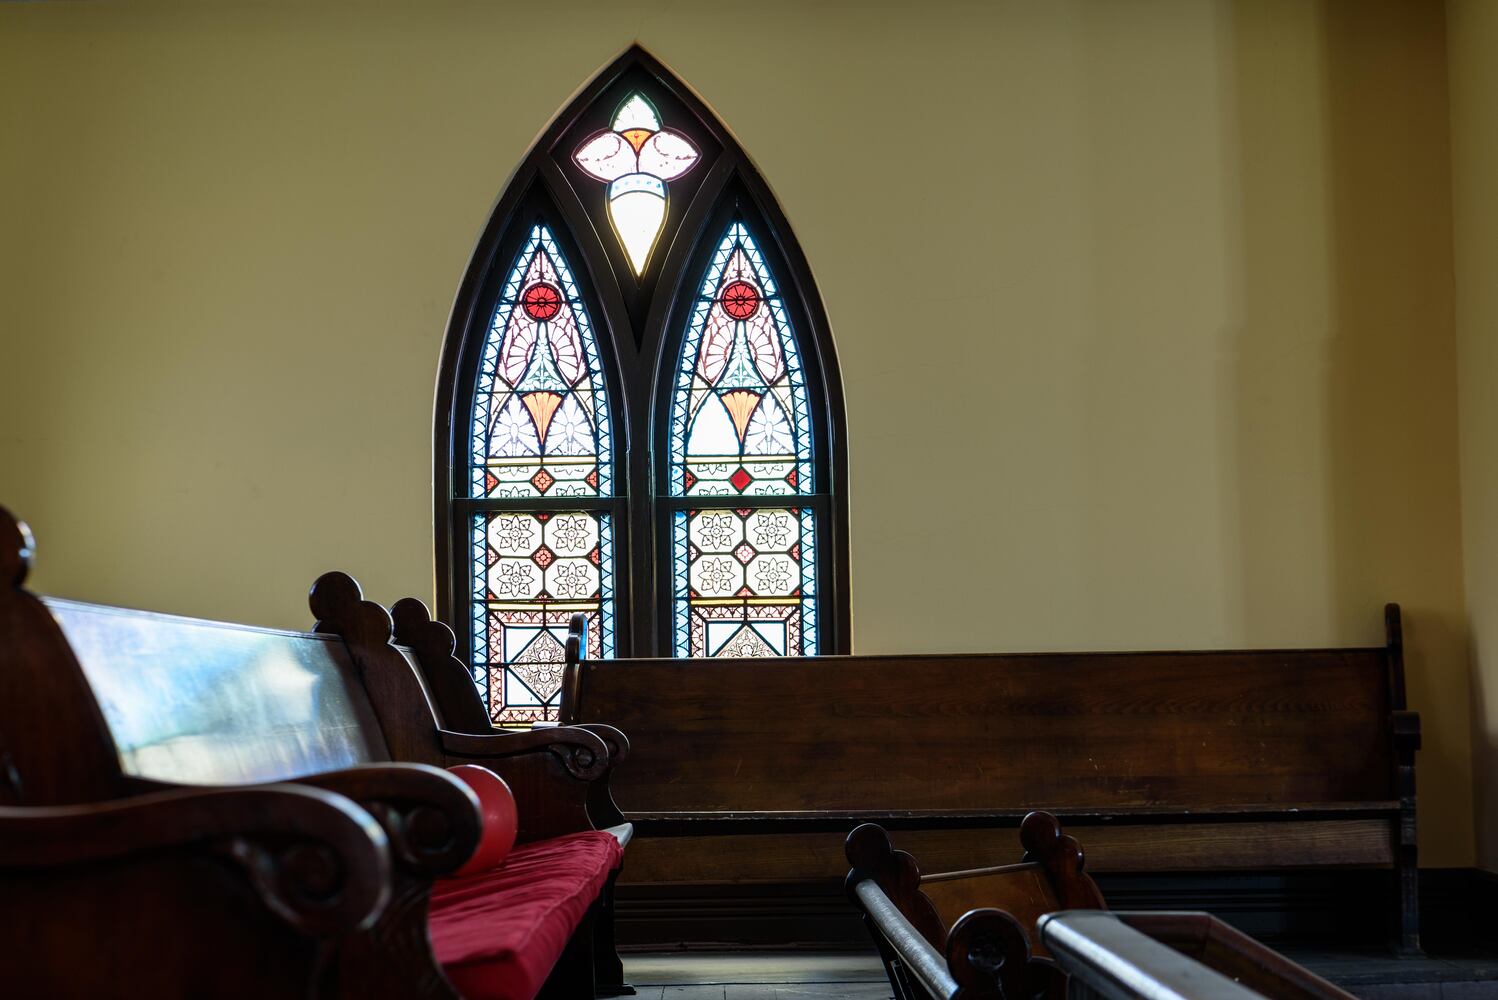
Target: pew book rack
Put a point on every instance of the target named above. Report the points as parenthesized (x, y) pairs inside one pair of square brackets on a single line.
[(195, 808)]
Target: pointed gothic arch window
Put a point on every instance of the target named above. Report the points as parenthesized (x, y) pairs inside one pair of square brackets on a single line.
[(639, 415)]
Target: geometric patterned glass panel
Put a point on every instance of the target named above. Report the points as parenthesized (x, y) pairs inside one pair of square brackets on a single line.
[(744, 578), (746, 582), (540, 433)]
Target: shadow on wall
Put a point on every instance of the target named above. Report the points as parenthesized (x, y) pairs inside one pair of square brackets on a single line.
[(1346, 278)]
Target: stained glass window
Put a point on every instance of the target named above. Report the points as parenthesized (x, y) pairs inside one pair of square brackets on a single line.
[(744, 573), (637, 156), (650, 438), (540, 436)]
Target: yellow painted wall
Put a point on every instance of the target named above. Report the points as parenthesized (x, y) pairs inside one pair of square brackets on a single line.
[(1474, 119), (1144, 309)]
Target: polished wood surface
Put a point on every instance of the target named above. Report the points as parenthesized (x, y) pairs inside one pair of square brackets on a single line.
[(1166, 956), (212, 703), (1052, 731)]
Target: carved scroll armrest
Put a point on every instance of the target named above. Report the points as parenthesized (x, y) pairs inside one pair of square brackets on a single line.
[(616, 741), (313, 858), (554, 773), (583, 753), (430, 817)]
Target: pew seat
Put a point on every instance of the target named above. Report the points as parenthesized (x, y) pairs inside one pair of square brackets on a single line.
[(498, 934), (101, 707)]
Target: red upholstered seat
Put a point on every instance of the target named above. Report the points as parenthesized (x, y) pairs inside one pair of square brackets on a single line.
[(498, 933)]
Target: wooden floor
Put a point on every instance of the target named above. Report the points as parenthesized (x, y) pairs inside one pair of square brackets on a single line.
[(690, 975), (770, 975)]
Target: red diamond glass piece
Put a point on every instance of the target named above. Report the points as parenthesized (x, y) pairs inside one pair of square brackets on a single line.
[(741, 479), (796, 552), (595, 558), (790, 477), (490, 481), (592, 479), (543, 557), (690, 479), (490, 556), (744, 553), (543, 481)]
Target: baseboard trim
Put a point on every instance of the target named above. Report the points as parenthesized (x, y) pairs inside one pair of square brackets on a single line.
[(1458, 908)]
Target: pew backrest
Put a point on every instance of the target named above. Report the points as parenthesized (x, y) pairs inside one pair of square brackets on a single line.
[(1104, 731), (1160, 761)]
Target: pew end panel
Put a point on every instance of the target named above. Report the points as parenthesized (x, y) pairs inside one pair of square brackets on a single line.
[(985, 954), (559, 759), (586, 753)]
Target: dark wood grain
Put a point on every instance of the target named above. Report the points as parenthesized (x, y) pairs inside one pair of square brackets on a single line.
[(1050, 731), (817, 857)]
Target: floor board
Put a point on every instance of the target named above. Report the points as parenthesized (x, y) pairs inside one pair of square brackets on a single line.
[(782, 975)]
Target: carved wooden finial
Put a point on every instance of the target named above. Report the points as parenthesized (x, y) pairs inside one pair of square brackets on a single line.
[(577, 638), (17, 548), (1041, 837), (415, 627), (868, 848), (338, 604)]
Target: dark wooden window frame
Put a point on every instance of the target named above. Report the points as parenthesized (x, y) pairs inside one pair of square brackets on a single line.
[(639, 324)]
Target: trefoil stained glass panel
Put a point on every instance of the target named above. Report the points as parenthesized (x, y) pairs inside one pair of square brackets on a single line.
[(636, 156)]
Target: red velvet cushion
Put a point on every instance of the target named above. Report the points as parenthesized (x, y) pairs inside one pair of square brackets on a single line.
[(498, 933)]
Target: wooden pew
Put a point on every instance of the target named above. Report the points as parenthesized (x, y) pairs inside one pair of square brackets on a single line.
[(981, 933), (455, 700), (754, 770), (1166, 956), (103, 708), (968, 917)]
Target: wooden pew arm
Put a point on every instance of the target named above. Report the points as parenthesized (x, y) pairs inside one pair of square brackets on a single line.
[(430, 818), (559, 776), (583, 753), (313, 858), (1117, 962)]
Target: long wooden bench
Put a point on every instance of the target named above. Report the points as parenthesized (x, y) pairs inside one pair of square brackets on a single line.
[(129, 732), (755, 770), (980, 933)]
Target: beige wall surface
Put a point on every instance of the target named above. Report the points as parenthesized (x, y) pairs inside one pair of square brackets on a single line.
[(1474, 122), (1144, 310)]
